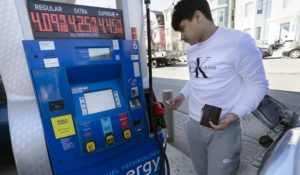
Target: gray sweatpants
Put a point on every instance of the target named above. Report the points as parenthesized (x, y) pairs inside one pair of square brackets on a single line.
[(214, 152)]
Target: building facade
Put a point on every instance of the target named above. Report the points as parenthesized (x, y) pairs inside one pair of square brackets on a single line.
[(251, 17), (173, 38), (157, 23), (268, 21), (223, 12), (284, 22)]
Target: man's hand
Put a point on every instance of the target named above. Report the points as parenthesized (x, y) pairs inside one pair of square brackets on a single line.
[(225, 122), (176, 101)]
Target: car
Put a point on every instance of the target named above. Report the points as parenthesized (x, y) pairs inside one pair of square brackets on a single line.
[(293, 52), (183, 58), (266, 51), (271, 140)]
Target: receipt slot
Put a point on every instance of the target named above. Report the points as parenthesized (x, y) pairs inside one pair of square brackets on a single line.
[(92, 106)]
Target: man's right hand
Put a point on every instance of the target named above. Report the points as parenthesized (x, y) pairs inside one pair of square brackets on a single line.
[(176, 101)]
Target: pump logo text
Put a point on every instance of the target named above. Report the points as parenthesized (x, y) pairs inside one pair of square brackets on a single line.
[(145, 165)]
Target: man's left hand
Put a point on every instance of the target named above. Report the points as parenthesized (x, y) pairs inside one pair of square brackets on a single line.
[(225, 122)]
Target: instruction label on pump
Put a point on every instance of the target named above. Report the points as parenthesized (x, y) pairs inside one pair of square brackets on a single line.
[(63, 126), (51, 62), (136, 69), (116, 44), (47, 45)]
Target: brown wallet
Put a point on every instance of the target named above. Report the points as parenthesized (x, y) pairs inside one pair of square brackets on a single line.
[(210, 113)]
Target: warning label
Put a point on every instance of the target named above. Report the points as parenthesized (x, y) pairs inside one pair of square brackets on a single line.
[(63, 126)]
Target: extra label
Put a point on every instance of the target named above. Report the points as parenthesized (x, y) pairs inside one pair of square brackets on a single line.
[(106, 125)]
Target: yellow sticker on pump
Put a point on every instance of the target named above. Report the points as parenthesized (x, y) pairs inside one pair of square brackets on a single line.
[(63, 126)]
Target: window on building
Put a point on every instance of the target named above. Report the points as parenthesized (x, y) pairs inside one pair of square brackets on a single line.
[(284, 31), (248, 9), (248, 30), (258, 33), (168, 15), (169, 46), (259, 6), (221, 16), (285, 3), (214, 15), (269, 10), (168, 32), (223, 2)]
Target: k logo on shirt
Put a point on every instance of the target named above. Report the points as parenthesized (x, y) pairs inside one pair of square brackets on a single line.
[(199, 67)]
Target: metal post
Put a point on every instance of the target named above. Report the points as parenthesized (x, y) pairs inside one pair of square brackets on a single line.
[(169, 117)]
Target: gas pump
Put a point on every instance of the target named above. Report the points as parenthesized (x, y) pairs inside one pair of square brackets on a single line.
[(92, 106), (90, 92)]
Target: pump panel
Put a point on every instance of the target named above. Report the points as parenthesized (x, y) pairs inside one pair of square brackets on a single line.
[(92, 106)]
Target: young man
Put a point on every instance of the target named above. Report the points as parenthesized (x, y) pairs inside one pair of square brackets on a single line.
[(226, 73)]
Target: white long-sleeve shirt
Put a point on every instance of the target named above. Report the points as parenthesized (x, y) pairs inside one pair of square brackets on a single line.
[(226, 71)]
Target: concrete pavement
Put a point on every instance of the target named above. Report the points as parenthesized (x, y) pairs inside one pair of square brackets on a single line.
[(253, 129)]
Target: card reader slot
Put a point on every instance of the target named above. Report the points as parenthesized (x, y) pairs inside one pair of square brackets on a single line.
[(137, 122)]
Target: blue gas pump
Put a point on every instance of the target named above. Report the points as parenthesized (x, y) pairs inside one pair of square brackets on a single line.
[(92, 106)]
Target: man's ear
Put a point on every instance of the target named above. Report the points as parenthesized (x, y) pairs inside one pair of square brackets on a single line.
[(198, 15)]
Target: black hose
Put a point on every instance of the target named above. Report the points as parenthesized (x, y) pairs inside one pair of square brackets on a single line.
[(162, 149)]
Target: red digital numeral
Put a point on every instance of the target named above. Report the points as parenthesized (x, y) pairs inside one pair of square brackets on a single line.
[(72, 23), (108, 25), (47, 22), (102, 25), (36, 21), (120, 26), (54, 22), (94, 26), (113, 25), (80, 23), (87, 24), (63, 23)]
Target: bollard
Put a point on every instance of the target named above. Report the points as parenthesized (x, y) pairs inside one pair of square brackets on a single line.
[(169, 117)]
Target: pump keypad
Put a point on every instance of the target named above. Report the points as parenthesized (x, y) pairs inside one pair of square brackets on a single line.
[(109, 139), (90, 146), (127, 134)]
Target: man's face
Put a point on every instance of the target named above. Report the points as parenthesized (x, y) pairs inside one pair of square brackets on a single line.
[(193, 31), (189, 31)]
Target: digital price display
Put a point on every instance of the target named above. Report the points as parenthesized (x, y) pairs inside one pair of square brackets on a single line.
[(95, 103), (51, 20)]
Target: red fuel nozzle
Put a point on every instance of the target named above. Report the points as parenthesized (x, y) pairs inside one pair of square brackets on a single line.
[(158, 109)]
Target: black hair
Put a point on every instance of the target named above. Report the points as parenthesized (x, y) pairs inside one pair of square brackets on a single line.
[(185, 9)]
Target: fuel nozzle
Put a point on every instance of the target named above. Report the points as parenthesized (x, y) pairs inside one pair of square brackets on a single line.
[(158, 109), (159, 112)]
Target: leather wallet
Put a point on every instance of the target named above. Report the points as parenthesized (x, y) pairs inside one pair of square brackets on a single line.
[(210, 113)]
